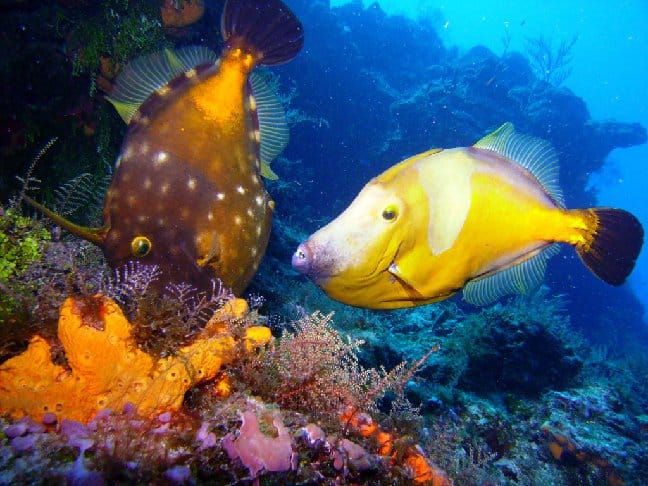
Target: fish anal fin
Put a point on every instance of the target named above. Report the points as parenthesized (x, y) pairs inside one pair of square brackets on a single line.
[(537, 156), (520, 278)]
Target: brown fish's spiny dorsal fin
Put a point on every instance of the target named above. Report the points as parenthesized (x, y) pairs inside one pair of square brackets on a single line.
[(520, 278), (93, 235), (147, 74), (534, 154), (272, 123)]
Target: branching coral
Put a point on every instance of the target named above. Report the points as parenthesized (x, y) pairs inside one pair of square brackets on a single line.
[(107, 370), (552, 66), (316, 370)]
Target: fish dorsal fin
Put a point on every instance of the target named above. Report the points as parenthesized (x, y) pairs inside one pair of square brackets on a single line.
[(518, 279), (534, 154), (143, 76), (272, 123)]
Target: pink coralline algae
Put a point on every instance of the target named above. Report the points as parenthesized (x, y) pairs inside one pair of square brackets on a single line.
[(256, 450)]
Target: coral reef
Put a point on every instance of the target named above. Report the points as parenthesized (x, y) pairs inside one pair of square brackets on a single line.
[(106, 370), (407, 455), (608, 449), (513, 396)]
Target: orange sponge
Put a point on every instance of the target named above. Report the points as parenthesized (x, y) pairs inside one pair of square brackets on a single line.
[(107, 370)]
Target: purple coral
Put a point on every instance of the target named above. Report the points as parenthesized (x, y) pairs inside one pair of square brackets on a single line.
[(256, 450)]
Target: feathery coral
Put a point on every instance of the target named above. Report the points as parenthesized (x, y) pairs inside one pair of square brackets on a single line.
[(107, 370)]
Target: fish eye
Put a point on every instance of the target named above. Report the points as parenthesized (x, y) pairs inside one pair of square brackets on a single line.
[(390, 213), (141, 246)]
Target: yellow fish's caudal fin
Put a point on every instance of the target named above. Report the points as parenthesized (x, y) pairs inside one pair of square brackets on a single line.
[(268, 31), (612, 244), (93, 235)]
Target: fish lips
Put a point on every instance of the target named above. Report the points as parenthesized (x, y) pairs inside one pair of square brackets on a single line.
[(308, 261)]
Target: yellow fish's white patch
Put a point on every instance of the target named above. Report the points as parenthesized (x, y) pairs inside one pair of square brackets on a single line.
[(448, 191)]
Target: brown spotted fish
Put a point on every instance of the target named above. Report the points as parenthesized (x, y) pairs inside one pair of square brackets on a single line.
[(187, 193)]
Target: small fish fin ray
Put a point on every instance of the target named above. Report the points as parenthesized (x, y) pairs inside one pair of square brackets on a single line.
[(517, 279), (93, 235), (534, 154), (272, 123), (617, 238), (268, 29), (144, 75)]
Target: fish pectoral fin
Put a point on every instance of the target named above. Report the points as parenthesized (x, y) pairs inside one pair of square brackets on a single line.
[(397, 271), (417, 290), (211, 257)]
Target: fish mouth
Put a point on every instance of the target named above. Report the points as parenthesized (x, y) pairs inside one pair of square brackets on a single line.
[(322, 266), (305, 261)]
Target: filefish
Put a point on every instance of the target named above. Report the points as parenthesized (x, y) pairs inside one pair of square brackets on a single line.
[(484, 219), (187, 193)]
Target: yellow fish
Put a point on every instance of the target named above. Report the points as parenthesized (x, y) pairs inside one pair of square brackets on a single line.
[(187, 193), (484, 219)]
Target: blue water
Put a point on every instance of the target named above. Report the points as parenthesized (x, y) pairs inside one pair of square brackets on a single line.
[(609, 71)]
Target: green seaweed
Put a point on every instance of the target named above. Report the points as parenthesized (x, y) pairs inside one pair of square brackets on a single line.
[(21, 244), (117, 30)]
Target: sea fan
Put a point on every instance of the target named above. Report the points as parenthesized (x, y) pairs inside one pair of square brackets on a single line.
[(74, 194), (129, 283), (199, 305)]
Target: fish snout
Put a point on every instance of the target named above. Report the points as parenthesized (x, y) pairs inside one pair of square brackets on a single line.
[(302, 259), (315, 260)]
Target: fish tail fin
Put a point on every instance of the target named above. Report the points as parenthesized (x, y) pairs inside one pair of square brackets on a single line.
[(612, 244), (268, 30)]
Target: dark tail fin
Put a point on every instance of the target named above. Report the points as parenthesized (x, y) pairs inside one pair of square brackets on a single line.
[(617, 237), (267, 27)]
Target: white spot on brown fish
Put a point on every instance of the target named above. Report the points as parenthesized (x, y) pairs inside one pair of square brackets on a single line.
[(160, 158)]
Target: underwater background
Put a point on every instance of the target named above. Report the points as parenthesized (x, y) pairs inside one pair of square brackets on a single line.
[(548, 388)]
